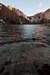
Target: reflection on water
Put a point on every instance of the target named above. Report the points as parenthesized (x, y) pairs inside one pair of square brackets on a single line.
[(27, 30), (31, 30), (40, 32)]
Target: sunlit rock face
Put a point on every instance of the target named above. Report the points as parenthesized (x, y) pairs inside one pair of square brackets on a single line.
[(10, 7), (47, 14)]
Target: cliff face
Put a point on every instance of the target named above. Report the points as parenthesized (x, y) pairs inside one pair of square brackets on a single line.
[(14, 16), (47, 15)]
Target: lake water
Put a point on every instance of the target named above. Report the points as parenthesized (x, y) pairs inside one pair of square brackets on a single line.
[(28, 31), (38, 31)]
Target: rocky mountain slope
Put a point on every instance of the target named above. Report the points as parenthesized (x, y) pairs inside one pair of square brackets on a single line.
[(15, 16), (12, 15), (42, 17)]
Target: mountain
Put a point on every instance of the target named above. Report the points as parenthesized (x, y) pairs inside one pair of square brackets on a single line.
[(22, 17), (12, 15), (15, 16), (36, 18), (42, 17)]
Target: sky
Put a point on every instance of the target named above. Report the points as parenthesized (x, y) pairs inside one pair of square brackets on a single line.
[(29, 7)]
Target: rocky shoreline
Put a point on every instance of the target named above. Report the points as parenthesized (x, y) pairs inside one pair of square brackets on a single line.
[(24, 59)]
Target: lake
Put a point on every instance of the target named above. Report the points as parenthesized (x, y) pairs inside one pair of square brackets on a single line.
[(39, 32), (30, 30)]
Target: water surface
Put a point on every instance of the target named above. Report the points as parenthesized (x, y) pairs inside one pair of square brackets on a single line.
[(30, 30)]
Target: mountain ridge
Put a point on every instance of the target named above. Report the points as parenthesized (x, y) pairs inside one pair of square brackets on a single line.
[(12, 16), (15, 16)]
